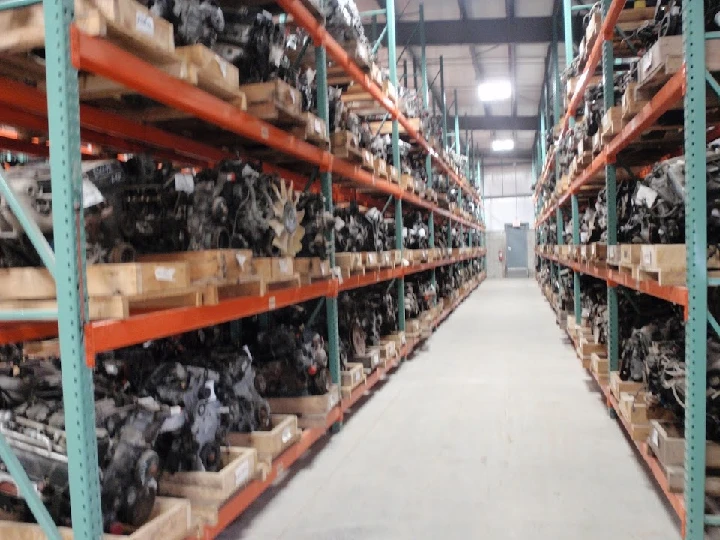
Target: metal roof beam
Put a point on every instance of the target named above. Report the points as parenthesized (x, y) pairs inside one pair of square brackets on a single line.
[(478, 31), (499, 123)]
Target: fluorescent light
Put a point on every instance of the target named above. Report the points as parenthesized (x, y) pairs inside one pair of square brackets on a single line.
[(503, 145), (498, 90)]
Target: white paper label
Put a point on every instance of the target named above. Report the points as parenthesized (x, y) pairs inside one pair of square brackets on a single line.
[(164, 273), (91, 194), (318, 126), (647, 257), (144, 23), (284, 266), (286, 435), (356, 377), (333, 399), (184, 182), (223, 66), (655, 436), (242, 474), (240, 259), (271, 302)]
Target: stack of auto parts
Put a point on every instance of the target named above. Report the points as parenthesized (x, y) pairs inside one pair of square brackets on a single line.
[(343, 22), (416, 231), (361, 230), (593, 301), (365, 316), (657, 213), (291, 362), (194, 21), (103, 183), (317, 223)]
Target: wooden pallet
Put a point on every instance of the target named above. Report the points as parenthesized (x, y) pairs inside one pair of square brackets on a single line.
[(311, 411), (209, 266), (599, 365), (275, 102), (170, 520), (664, 59)]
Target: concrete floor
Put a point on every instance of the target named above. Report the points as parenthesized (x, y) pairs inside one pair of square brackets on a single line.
[(494, 431)]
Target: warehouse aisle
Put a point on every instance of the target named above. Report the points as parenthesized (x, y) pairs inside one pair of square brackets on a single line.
[(492, 433)]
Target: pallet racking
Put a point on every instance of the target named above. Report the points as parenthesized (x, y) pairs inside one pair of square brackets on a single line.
[(690, 83), (58, 112)]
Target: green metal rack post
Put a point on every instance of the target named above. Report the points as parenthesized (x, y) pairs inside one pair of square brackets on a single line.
[(331, 305), (693, 24), (613, 337), (425, 99), (392, 64)]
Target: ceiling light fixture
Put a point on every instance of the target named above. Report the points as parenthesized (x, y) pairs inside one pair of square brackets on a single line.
[(503, 145), (498, 90)]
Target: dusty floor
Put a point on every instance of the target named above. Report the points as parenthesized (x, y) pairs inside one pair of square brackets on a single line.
[(494, 431)]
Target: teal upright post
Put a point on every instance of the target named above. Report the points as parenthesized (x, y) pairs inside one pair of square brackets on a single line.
[(392, 64), (69, 243), (457, 124), (613, 335), (331, 305), (693, 25), (444, 105), (569, 54), (425, 99)]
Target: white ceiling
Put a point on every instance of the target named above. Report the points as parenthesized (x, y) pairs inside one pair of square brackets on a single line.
[(493, 61)]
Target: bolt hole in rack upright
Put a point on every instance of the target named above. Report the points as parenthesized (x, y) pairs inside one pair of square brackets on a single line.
[(631, 270), (232, 243)]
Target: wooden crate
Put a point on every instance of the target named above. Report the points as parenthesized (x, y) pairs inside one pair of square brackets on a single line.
[(613, 255), (215, 75), (170, 520), (399, 338), (345, 145), (312, 268), (598, 252), (274, 269), (209, 265), (666, 263), (370, 259), (311, 411), (102, 280), (275, 101), (629, 255), (629, 103), (200, 487), (388, 349), (412, 327), (407, 182), (386, 260), (612, 123), (349, 263), (370, 360), (394, 174), (351, 378), (618, 386), (668, 444), (313, 130), (381, 168), (269, 444)]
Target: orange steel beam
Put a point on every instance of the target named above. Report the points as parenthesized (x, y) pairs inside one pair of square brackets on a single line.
[(24, 147), (606, 33), (21, 96), (114, 334), (20, 118), (16, 332), (320, 36), (677, 294)]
